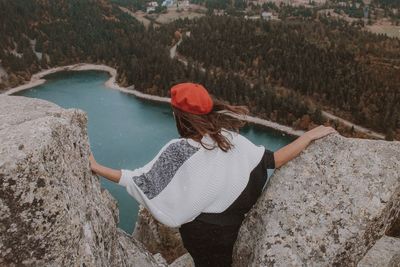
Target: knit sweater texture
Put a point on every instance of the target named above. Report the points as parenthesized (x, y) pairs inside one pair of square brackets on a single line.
[(185, 179)]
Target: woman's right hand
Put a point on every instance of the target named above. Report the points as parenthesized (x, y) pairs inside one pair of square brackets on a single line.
[(92, 162), (319, 132), (108, 173)]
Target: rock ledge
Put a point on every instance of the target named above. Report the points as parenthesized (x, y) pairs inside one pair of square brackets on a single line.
[(52, 209), (327, 207)]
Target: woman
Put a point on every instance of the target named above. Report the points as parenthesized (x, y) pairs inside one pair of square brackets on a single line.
[(208, 179)]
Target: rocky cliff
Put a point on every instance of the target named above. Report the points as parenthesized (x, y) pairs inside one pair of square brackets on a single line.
[(327, 207), (52, 209), (338, 203), (158, 238)]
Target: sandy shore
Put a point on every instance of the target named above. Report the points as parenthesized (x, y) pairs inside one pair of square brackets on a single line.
[(37, 79)]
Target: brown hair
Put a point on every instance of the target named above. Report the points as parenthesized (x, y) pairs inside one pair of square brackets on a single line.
[(222, 116)]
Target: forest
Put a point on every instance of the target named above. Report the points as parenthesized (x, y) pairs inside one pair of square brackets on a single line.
[(286, 71), (330, 63), (42, 34), (387, 3)]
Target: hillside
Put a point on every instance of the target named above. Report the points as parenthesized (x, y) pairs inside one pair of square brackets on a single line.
[(287, 72), (43, 34), (322, 63)]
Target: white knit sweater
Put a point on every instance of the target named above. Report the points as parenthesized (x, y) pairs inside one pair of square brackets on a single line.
[(185, 179)]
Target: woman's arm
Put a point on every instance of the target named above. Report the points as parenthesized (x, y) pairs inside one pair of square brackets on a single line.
[(110, 174), (119, 176), (293, 149)]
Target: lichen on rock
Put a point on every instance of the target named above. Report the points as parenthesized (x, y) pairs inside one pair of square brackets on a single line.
[(53, 211), (327, 207)]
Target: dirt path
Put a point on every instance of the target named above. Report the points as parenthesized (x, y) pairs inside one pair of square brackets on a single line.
[(172, 50), (357, 128), (140, 16), (384, 26)]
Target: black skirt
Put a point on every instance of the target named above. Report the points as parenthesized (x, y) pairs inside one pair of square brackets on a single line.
[(210, 237)]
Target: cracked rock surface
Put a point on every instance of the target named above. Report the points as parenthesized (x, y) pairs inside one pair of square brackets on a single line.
[(52, 209), (327, 207), (385, 253)]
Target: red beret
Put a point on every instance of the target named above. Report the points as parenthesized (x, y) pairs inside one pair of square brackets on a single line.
[(191, 98)]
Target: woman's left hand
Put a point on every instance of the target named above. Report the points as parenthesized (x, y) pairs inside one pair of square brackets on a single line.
[(291, 150)]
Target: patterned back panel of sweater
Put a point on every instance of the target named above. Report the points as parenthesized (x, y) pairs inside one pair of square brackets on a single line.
[(164, 169)]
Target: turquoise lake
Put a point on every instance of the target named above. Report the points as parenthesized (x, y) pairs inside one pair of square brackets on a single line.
[(124, 132)]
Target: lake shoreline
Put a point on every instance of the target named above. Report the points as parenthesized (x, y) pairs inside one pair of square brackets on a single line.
[(38, 79)]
